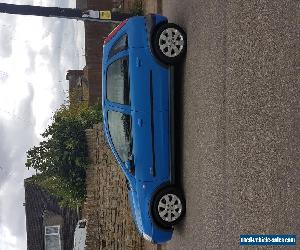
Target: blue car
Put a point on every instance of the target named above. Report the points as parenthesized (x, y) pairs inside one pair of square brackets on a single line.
[(137, 99)]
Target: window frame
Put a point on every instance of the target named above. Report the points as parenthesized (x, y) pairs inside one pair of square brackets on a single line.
[(114, 51), (58, 233)]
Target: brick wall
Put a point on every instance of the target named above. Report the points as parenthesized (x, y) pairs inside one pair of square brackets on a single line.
[(95, 34), (110, 225), (99, 5)]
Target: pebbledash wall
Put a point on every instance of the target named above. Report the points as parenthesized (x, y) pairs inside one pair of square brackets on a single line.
[(110, 224)]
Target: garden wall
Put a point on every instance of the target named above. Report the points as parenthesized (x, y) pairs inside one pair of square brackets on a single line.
[(110, 225)]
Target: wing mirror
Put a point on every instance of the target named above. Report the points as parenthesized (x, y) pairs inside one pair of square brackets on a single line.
[(129, 166)]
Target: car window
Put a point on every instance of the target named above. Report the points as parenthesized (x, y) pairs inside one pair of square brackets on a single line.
[(119, 125), (117, 82), (121, 44)]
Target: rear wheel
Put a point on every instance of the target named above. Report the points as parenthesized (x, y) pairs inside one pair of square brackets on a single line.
[(168, 207), (170, 43)]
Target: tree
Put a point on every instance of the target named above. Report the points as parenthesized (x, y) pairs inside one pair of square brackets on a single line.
[(61, 159)]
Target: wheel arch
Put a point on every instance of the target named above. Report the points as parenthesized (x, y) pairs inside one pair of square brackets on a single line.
[(155, 193), (151, 33)]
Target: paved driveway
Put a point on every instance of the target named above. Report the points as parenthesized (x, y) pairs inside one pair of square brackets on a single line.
[(239, 99)]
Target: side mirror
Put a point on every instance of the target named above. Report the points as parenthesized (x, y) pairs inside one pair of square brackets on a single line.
[(129, 166), (127, 185)]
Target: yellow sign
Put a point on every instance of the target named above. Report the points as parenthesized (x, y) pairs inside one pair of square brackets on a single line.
[(105, 15)]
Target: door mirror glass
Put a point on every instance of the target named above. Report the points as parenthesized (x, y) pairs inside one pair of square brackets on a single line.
[(129, 166)]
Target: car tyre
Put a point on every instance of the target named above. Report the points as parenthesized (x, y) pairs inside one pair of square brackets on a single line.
[(169, 43), (168, 207)]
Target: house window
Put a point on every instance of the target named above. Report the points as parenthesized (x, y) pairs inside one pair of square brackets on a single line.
[(52, 238)]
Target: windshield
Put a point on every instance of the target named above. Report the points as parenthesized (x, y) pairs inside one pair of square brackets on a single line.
[(119, 125)]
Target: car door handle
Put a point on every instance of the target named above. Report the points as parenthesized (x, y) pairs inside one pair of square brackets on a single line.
[(138, 62), (140, 122)]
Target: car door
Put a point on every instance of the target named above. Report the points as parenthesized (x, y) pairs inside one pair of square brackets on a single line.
[(118, 96), (141, 114)]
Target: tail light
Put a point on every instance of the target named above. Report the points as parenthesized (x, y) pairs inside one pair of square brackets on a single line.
[(115, 30)]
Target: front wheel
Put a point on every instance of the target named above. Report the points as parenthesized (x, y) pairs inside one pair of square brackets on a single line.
[(169, 43), (168, 207)]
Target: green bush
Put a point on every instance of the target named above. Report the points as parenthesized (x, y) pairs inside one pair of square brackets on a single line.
[(61, 159)]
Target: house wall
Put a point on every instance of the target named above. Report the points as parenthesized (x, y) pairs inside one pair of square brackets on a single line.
[(37, 202), (78, 86), (52, 219)]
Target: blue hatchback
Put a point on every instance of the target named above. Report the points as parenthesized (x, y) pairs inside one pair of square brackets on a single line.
[(137, 101)]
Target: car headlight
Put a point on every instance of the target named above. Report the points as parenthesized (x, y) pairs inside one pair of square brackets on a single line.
[(147, 237)]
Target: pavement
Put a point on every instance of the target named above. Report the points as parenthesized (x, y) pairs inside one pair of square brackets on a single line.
[(238, 96)]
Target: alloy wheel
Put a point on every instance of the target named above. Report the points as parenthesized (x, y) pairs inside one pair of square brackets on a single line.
[(169, 207), (171, 42)]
